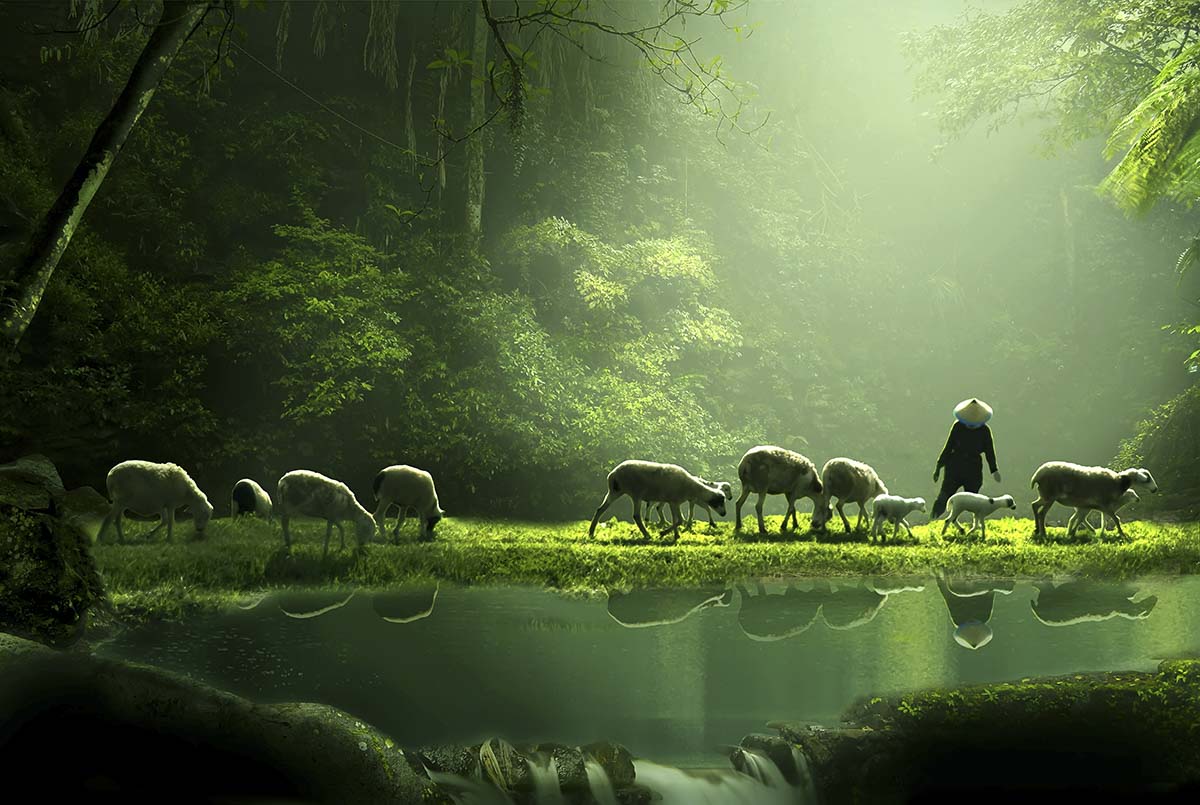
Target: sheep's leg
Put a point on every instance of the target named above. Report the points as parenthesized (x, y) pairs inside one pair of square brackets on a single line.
[(842, 514), (287, 535), (791, 512), (676, 520), (907, 528), (762, 528), (983, 528), (401, 519), (608, 501), (692, 514), (169, 516), (1112, 515), (637, 518), (745, 494), (946, 523), (862, 513), (875, 526), (341, 535), (328, 534), (1040, 509), (381, 517), (162, 521), (711, 522)]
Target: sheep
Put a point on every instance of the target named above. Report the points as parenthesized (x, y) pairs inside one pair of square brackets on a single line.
[(146, 487), (1080, 517), (849, 481), (250, 498), (312, 494), (649, 480), (406, 487), (770, 470), (893, 509), (980, 506), (660, 506), (1085, 488)]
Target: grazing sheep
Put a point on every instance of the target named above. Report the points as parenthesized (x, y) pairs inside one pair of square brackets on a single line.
[(893, 509), (1085, 488), (147, 488), (250, 498), (311, 494), (980, 506), (407, 488), (770, 470), (661, 505), (1080, 517), (849, 481), (649, 480)]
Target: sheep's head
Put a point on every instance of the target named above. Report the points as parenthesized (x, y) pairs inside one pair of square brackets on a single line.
[(364, 528), (716, 501), (918, 504), (816, 486), (202, 513), (1141, 480), (434, 519), (1007, 501), (822, 514), (727, 488)]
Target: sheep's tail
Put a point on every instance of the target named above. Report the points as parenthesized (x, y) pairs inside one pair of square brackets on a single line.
[(378, 482)]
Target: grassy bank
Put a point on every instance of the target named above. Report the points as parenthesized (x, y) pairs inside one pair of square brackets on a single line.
[(247, 556)]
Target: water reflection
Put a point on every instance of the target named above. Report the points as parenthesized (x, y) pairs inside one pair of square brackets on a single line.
[(304, 605), (405, 605), (970, 603), (767, 616), (663, 607), (1081, 601)]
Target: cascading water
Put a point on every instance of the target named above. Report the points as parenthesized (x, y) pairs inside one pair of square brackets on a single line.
[(545, 782), (598, 782), (723, 787)]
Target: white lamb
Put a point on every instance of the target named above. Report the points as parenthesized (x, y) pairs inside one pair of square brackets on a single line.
[(661, 505), (1085, 488), (893, 509), (649, 480), (849, 481), (1080, 517), (149, 488), (980, 506), (250, 498), (770, 470), (312, 494), (406, 488)]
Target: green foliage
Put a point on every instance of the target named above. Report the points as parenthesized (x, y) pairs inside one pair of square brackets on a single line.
[(1169, 443)]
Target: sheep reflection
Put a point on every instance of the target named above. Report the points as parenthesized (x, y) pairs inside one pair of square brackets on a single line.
[(1081, 601), (661, 607), (768, 616)]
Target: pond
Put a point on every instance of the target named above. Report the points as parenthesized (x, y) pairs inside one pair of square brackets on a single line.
[(674, 675)]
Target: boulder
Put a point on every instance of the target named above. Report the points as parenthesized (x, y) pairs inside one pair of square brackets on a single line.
[(148, 735), (85, 509), (30, 483)]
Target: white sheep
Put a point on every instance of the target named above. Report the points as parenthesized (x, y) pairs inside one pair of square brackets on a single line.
[(980, 506), (250, 498), (649, 480), (893, 509), (406, 488), (770, 470), (150, 488), (1080, 517), (1085, 488), (312, 494), (849, 481), (661, 505)]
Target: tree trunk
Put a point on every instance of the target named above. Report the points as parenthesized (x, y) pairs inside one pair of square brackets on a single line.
[(28, 283), (475, 145)]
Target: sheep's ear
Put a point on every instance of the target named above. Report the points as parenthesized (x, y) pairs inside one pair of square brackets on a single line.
[(1126, 482)]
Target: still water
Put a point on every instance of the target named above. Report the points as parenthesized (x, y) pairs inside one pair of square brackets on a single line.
[(672, 674)]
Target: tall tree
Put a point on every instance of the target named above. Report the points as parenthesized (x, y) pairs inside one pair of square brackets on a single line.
[(25, 287), (475, 146)]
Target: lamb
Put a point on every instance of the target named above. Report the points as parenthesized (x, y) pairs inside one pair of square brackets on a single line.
[(407, 488), (849, 481), (770, 470), (312, 494), (1085, 488), (649, 480), (250, 498), (1080, 517), (146, 487), (893, 509), (660, 506), (980, 506)]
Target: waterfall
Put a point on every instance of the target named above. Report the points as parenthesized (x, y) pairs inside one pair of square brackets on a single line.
[(599, 783), (545, 782), (721, 786)]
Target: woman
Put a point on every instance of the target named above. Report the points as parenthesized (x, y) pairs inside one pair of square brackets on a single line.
[(969, 436)]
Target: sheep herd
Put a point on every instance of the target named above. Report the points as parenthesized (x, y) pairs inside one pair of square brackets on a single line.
[(150, 488)]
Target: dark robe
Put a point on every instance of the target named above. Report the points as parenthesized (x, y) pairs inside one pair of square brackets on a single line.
[(960, 462)]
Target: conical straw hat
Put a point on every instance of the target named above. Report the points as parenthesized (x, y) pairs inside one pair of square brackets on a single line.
[(973, 412), (973, 635)]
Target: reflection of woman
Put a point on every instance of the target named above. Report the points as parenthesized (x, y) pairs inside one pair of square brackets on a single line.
[(970, 608), (969, 436)]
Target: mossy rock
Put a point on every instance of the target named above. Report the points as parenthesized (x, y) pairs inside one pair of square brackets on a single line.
[(149, 735), (1127, 734), (30, 483)]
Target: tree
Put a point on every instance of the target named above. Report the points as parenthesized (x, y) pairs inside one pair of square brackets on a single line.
[(25, 288)]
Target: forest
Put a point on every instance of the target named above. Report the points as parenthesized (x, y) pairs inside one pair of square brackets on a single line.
[(515, 245)]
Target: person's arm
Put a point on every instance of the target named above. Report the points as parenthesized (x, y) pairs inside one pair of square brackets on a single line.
[(989, 450), (950, 440)]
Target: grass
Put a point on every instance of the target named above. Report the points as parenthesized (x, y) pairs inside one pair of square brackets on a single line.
[(245, 557)]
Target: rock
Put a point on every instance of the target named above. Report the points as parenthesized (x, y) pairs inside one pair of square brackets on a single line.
[(616, 760), (30, 483), (1129, 732), (155, 736), (778, 750), (459, 760), (568, 763), (85, 509)]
